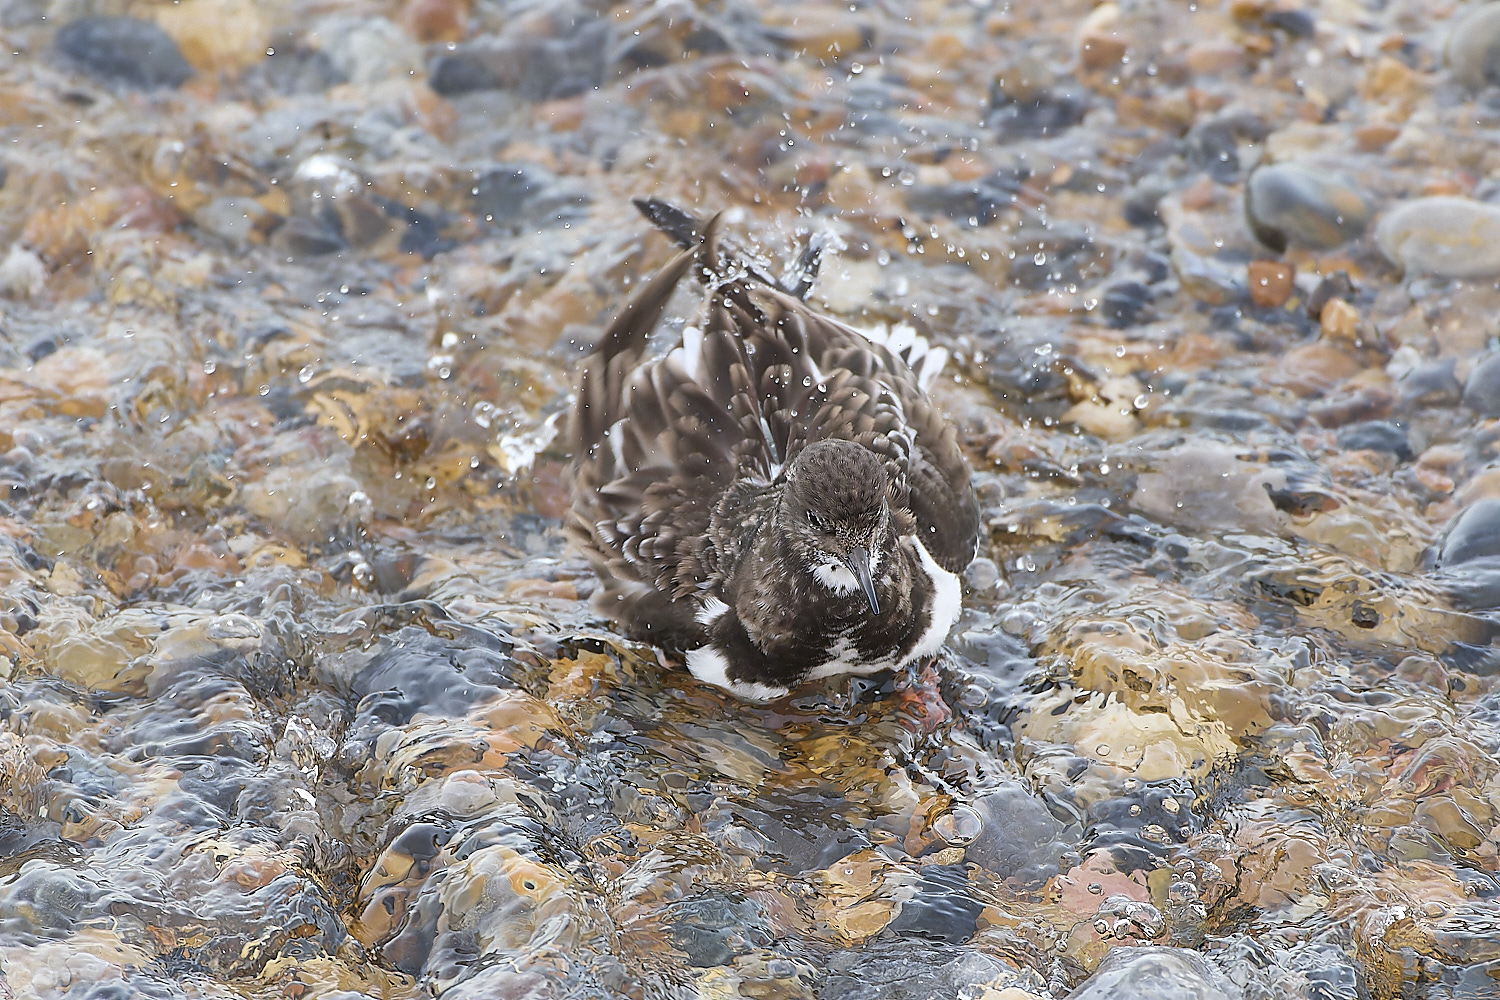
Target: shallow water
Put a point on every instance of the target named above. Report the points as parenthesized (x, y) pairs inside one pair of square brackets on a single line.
[(302, 694)]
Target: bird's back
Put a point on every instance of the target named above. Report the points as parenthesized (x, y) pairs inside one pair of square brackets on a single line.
[(663, 443)]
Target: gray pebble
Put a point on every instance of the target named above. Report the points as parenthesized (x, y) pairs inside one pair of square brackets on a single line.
[(522, 195), (125, 49), (1430, 383), (1443, 236), (1474, 46), (1377, 435), (1291, 205), (1473, 534), (231, 219), (1482, 391)]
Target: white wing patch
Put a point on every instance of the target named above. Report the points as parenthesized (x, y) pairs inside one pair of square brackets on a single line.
[(925, 361), (930, 367), (709, 665), (689, 356), (713, 609)]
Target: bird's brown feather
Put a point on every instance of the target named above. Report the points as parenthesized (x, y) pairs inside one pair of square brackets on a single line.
[(665, 446)]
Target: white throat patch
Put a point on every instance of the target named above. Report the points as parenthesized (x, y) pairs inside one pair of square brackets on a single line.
[(837, 577)]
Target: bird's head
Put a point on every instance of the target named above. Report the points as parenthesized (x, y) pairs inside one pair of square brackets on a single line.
[(837, 515)]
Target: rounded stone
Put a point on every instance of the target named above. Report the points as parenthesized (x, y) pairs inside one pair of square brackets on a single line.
[(1482, 391), (1443, 236), (1291, 205), (1473, 534), (1377, 435), (1473, 51), (127, 49)]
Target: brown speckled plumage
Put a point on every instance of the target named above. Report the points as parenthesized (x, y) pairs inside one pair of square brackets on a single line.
[(682, 496)]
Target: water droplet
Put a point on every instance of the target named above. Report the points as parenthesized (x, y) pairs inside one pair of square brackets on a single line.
[(856, 68), (1040, 259), (264, 390), (1095, 888), (209, 367), (1102, 750), (305, 375), (1135, 810)]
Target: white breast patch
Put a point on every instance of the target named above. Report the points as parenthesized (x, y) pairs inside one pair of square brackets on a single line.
[(947, 601)]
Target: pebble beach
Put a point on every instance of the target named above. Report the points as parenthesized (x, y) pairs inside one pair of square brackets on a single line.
[(301, 693)]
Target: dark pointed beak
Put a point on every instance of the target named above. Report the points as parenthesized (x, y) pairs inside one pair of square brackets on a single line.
[(858, 561)]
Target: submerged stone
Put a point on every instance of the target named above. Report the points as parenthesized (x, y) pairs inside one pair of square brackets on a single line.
[(1473, 534), (1156, 974)]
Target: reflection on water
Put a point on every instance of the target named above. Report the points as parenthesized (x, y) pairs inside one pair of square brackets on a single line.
[(301, 692)]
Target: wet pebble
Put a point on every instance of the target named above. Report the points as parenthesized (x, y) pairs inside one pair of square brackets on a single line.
[(897, 970), (1155, 974), (1482, 391), (1443, 236), (522, 194), (1377, 435), (1271, 282), (1016, 836), (125, 49), (234, 220), (310, 507), (714, 929), (1473, 52), (1288, 204), (1122, 304), (943, 908), (1430, 383), (367, 50), (1473, 534), (538, 68)]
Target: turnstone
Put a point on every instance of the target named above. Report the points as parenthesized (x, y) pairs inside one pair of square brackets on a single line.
[(776, 497)]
